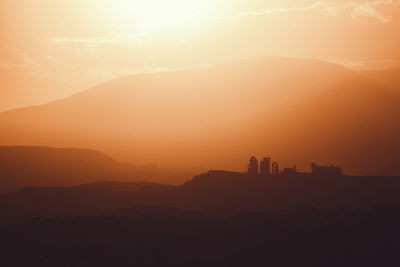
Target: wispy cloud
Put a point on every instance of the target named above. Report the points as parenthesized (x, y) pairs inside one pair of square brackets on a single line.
[(25, 62), (81, 41), (272, 11), (380, 10), (369, 64), (90, 42), (107, 73)]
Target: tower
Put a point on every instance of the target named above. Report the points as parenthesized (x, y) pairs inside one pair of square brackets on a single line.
[(265, 167), (275, 168), (252, 167)]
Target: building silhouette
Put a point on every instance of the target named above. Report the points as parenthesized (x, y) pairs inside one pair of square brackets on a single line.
[(275, 168), (326, 170), (265, 166), (289, 171), (252, 167)]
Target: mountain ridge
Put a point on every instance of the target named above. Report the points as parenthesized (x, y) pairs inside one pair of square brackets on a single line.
[(214, 193), (217, 117), (48, 166)]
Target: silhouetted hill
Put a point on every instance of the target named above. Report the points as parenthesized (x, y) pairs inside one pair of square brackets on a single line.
[(297, 110), (45, 166), (236, 192), (213, 193), (32, 202), (389, 78), (123, 186)]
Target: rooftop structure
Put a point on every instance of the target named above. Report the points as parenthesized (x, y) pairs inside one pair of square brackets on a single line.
[(265, 168), (326, 170)]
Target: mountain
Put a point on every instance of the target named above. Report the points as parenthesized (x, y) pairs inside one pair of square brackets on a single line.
[(32, 202), (389, 78), (296, 110), (22, 86), (123, 186), (235, 192), (216, 193), (45, 166)]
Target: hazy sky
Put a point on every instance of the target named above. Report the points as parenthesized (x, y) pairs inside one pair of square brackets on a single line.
[(50, 49)]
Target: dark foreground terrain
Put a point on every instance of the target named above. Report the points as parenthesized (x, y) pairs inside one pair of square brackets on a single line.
[(316, 238), (216, 219), (216, 192)]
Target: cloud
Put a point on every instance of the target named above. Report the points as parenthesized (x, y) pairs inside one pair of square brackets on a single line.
[(378, 11), (381, 11), (108, 73), (91, 42), (272, 11), (369, 64), (81, 41), (23, 61)]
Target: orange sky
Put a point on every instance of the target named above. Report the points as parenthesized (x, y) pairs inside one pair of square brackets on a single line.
[(50, 49)]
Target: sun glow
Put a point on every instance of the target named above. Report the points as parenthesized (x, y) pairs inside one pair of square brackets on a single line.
[(159, 15)]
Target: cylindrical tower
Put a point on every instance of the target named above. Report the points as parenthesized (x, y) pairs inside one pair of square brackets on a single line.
[(265, 168), (252, 167), (275, 168)]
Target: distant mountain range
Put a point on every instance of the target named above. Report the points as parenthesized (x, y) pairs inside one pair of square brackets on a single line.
[(389, 78), (45, 166), (295, 110), (216, 193)]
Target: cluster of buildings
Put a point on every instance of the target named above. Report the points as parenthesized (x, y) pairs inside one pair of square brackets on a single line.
[(267, 168)]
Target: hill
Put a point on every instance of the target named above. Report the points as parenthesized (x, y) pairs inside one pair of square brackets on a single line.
[(235, 192), (213, 193), (296, 110), (389, 78), (123, 186), (45, 166)]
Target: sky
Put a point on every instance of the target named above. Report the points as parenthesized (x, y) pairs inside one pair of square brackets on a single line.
[(51, 49)]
